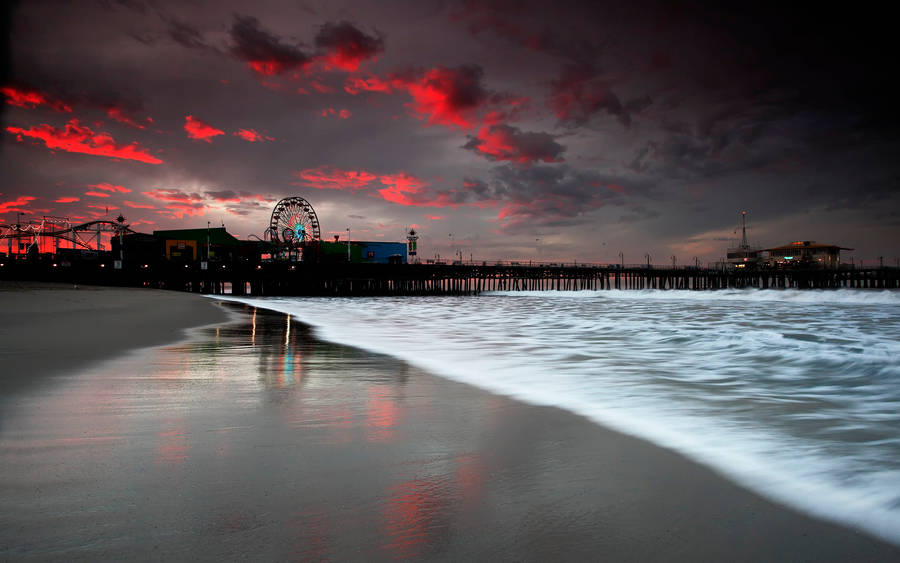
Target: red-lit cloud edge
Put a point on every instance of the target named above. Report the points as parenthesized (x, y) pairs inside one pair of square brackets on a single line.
[(400, 188), (77, 138)]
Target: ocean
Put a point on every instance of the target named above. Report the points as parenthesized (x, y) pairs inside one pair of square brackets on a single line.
[(793, 394)]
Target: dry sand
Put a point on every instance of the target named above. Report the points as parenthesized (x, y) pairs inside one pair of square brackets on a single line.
[(257, 441), (55, 329)]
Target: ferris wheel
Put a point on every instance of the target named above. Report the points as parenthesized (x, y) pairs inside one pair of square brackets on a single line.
[(293, 221)]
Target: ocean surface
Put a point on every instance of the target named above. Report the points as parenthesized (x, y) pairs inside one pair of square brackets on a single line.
[(794, 394)]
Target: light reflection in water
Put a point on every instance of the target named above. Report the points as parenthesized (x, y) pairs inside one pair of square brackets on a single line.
[(382, 415)]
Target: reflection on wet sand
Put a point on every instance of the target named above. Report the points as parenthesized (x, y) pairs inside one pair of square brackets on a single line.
[(249, 423)]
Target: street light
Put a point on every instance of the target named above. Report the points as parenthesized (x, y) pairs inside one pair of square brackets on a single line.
[(348, 244), (648, 260), (621, 260)]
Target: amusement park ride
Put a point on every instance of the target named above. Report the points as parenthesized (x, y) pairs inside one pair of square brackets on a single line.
[(293, 227), (50, 234)]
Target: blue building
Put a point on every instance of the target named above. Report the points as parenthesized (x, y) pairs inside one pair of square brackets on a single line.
[(382, 252), (364, 252)]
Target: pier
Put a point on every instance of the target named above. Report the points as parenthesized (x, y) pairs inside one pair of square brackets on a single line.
[(348, 279)]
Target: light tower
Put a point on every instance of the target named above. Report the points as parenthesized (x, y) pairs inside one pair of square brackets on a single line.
[(411, 244)]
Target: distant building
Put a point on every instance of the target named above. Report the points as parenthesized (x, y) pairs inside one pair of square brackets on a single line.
[(744, 255), (805, 254), (188, 245)]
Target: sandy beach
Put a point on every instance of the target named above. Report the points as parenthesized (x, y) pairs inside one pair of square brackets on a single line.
[(56, 329), (251, 439)]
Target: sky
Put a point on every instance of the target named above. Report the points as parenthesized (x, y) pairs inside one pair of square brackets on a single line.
[(518, 130)]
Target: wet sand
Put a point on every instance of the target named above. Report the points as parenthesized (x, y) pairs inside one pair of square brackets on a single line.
[(255, 440)]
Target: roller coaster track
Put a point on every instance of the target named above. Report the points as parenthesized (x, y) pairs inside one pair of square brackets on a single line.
[(57, 228)]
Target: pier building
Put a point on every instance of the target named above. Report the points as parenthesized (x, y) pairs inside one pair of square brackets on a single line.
[(805, 254)]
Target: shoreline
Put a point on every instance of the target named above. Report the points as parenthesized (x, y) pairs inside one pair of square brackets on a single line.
[(547, 482)]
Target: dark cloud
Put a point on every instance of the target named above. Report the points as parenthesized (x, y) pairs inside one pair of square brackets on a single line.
[(578, 95), (345, 46), (185, 34), (504, 142), (264, 52), (528, 25)]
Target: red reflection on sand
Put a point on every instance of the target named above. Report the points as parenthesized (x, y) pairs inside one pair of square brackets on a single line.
[(407, 517), (173, 447), (382, 415), (312, 543), (470, 473)]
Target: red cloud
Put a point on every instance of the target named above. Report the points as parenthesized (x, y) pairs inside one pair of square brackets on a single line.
[(441, 96), (346, 46), (121, 116), (200, 130), (401, 188), (356, 84), (343, 114), (503, 142), (15, 204), (179, 210), (30, 98), (435, 217), (137, 205), (109, 188), (96, 194), (331, 178), (67, 200), (252, 135), (80, 139), (322, 88), (446, 96), (406, 189)]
